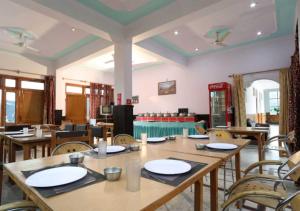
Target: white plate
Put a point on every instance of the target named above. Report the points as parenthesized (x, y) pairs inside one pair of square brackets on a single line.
[(30, 130), (156, 139), (113, 149), (199, 136), (220, 126), (22, 135), (221, 146), (12, 132), (48, 135), (56, 176), (167, 166)]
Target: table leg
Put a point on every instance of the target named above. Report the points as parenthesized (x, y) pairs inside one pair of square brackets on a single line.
[(26, 152), (105, 133), (11, 152), (260, 150), (198, 195), (214, 190), (237, 166), (1, 148)]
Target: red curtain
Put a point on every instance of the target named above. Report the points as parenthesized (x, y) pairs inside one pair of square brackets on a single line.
[(49, 100), (294, 93)]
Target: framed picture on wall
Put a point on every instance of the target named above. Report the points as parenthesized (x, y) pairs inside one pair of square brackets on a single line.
[(167, 87), (135, 99)]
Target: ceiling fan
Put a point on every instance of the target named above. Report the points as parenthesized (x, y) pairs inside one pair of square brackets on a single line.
[(220, 40), (18, 37)]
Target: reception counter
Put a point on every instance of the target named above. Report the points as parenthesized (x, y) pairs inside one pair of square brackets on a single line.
[(159, 129)]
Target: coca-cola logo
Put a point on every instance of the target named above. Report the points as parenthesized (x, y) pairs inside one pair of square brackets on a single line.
[(216, 86)]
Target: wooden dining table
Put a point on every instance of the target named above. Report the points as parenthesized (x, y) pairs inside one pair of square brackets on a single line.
[(113, 196), (260, 134), (187, 146), (27, 143)]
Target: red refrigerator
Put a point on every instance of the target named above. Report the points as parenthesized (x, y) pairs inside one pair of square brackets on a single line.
[(220, 105)]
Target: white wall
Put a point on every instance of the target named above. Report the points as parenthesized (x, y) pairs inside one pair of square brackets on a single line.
[(17, 62), (192, 81), (78, 73)]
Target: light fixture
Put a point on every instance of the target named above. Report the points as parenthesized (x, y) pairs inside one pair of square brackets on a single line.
[(196, 49), (73, 29), (176, 32), (253, 4), (259, 33)]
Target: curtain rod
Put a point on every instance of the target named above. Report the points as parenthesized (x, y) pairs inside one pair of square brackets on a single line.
[(71, 79), (258, 72), (19, 71)]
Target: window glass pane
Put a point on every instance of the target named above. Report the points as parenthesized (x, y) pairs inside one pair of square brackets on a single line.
[(273, 94), (87, 91), (87, 108), (10, 106), (32, 85), (274, 103), (10, 82), (74, 89)]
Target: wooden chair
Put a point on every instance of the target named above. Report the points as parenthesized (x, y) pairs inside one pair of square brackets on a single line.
[(284, 143), (19, 205), (96, 132), (60, 137), (70, 147), (123, 139), (200, 130), (80, 127), (265, 194), (224, 135)]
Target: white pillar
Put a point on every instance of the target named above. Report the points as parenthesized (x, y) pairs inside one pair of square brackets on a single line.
[(123, 70)]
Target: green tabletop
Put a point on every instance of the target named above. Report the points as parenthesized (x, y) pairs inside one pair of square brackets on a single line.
[(159, 129)]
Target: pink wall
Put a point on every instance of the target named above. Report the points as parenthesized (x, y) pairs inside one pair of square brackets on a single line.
[(192, 81)]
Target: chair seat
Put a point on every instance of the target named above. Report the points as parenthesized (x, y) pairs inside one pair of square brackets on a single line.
[(252, 186)]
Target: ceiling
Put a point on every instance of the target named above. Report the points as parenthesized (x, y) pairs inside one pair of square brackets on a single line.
[(53, 38), (62, 31), (270, 17)]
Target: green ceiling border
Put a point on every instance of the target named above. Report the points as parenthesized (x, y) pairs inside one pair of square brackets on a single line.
[(125, 17), (285, 17), (87, 40)]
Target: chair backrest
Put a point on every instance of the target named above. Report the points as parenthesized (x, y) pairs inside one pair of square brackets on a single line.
[(70, 147), (292, 162), (222, 134), (15, 127), (69, 127), (200, 130), (60, 137), (80, 127), (295, 202), (123, 139)]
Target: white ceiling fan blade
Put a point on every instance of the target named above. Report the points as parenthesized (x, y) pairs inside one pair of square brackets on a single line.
[(224, 37), (32, 49)]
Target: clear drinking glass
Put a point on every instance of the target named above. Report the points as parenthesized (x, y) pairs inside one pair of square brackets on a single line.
[(133, 175), (102, 149), (39, 133), (185, 132), (144, 138), (25, 130)]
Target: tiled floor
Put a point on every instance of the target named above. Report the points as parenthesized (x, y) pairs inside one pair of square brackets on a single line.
[(184, 201)]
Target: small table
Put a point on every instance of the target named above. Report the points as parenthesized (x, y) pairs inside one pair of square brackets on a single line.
[(259, 134), (113, 196), (186, 145)]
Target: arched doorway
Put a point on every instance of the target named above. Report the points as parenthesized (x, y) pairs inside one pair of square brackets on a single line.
[(263, 102)]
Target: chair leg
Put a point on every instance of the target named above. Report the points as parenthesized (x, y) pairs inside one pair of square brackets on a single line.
[(224, 177), (232, 173)]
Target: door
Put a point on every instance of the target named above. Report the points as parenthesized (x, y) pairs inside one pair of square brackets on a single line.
[(218, 108), (30, 107), (76, 108)]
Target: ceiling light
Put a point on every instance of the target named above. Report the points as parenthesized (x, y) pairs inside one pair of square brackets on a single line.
[(73, 29), (253, 5), (176, 32), (196, 49), (259, 33)]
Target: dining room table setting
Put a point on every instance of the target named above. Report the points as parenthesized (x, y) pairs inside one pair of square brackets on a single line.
[(119, 179)]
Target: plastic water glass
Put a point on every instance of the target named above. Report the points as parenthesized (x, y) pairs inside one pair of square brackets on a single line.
[(102, 149), (133, 175), (185, 132), (25, 130), (39, 133), (144, 138)]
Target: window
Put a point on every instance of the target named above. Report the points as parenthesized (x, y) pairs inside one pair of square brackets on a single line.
[(10, 106), (87, 108), (274, 102), (74, 89), (87, 91), (10, 82), (32, 85)]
